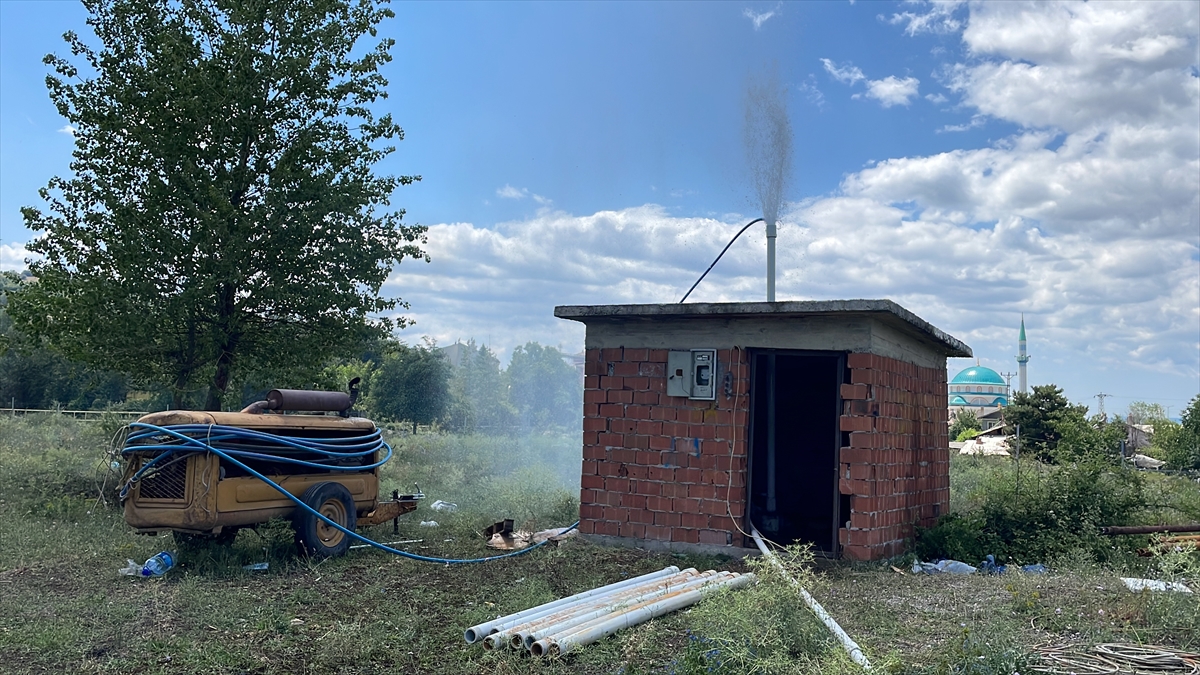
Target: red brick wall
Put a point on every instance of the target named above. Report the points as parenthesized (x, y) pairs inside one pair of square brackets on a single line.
[(897, 465), (660, 467)]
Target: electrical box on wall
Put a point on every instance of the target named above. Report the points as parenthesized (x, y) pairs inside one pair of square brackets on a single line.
[(692, 374)]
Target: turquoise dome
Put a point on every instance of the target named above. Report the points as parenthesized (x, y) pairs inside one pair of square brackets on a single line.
[(978, 386), (978, 375)]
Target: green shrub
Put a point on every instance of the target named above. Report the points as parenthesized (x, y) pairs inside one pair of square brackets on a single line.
[(1043, 513), (1180, 443), (964, 421)]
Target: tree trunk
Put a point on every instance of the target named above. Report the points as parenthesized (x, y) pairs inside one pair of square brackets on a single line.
[(228, 345), (414, 428), (220, 381)]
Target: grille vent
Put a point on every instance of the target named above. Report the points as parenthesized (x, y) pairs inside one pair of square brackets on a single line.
[(169, 482)]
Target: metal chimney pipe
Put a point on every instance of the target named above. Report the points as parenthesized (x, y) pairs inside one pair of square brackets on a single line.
[(771, 231)]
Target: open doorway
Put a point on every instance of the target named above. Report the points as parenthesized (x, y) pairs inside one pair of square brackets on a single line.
[(795, 408)]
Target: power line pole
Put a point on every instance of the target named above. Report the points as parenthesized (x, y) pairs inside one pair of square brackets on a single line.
[(1102, 396), (1008, 379)]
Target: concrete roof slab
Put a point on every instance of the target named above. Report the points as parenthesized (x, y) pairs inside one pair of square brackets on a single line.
[(885, 309)]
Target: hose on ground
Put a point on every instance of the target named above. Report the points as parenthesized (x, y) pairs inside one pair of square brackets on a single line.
[(142, 432)]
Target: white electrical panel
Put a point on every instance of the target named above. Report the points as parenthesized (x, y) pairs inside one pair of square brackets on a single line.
[(692, 374)]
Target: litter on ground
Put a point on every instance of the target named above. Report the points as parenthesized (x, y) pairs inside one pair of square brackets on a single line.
[(1137, 585), (943, 567)]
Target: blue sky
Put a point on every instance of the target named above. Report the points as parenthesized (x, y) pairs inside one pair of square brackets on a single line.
[(969, 161)]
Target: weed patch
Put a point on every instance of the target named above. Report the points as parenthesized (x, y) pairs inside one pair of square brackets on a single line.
[(1033, 512)]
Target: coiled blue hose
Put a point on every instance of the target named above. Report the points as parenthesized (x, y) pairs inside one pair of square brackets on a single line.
[(141, 431)]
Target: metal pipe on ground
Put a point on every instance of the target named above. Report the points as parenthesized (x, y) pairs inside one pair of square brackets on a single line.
[(478, 632), (512, 635), (599, 629), (1149, 529), (851, 647), (598, 610)]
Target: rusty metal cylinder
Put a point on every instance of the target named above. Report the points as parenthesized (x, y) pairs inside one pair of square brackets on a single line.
[(308, 401)]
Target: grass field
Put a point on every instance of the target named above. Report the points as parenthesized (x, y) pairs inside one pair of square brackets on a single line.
[(63, 607)]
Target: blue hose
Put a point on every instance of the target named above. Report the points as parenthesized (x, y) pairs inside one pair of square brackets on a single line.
[(219, 432)]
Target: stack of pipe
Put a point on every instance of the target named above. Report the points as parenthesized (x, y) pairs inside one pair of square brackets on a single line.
[(563, 625)]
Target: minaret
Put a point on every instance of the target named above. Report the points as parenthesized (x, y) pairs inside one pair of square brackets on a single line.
[(1022, 357)]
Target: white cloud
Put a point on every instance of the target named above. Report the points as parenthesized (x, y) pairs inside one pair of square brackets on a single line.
[(1127, 302), (938, 17), (12, 257), (889, 91), (1077, 65), (510, 192), (848, 74), (758, 19), (68, 130), (976, 122), (936, 99), (811, 91), (892, 91)]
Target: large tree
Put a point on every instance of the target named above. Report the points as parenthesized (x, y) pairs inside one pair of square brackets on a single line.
[(412, 385), (544, 388), (1038, 415), (222, 214)]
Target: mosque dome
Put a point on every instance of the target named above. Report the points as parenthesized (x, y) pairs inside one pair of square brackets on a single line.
[(978, 386), (978, 375)]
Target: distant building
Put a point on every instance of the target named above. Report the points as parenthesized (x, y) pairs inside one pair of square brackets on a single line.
[(982, 391), (454, 354), (985, 392), (576, 361), (978, 386)]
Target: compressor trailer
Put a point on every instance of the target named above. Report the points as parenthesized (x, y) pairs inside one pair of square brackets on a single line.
[(172, 481)]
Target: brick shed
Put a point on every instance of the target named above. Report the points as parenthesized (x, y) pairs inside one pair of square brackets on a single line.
[(817, 421)]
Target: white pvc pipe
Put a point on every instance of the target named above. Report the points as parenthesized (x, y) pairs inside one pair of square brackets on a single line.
[(502, 634), (649, 599), (515, 635), (570, 624), (852, 648), (633, 616), (771, 232), (475, 633)]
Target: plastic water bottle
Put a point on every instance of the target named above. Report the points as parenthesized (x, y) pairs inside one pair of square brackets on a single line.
[(158, 565)]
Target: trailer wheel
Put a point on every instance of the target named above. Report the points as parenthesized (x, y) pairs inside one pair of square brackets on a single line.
[(314, 536)]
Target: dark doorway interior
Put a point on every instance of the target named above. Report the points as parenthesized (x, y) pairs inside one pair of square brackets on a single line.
[(794, 441)]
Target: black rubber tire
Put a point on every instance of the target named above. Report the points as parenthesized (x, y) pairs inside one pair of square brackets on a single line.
[(315, 537)]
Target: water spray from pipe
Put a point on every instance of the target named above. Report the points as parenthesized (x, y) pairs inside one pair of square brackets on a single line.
[(767, 135)]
